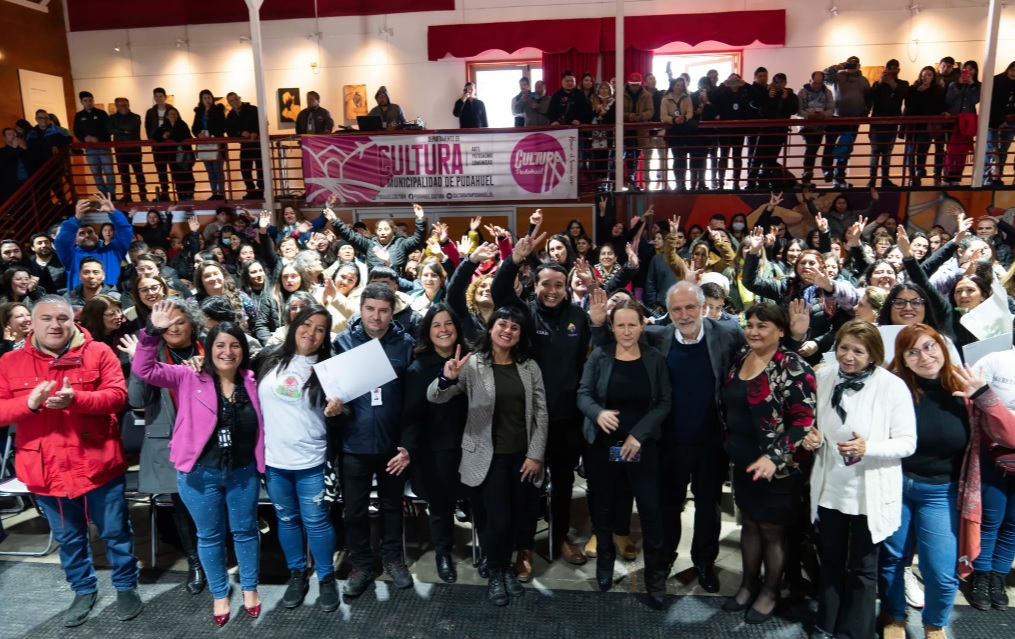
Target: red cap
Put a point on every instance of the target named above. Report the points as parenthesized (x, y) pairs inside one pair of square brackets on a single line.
[(634, 77)]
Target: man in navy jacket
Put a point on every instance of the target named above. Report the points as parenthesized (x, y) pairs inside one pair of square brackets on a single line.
[(373, 445)]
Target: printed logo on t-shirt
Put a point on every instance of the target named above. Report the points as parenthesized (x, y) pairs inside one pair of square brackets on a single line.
[(572, 330), (289, 388)]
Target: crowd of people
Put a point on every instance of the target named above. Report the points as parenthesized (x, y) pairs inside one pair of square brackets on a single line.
[(689, 157), (661, 358)]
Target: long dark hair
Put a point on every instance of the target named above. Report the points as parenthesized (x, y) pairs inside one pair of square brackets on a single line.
[(283, 355), (523, 350), (930, 317), (424, 345), (570, 251), (229, 328)]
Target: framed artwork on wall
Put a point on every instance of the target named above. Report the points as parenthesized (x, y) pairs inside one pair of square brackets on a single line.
[(355, 100), (288, 107)]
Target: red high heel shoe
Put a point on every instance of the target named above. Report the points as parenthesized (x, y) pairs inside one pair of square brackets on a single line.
[(254, 611), (220, 620)]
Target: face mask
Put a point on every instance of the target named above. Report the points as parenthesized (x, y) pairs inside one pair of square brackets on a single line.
[(738, 226)]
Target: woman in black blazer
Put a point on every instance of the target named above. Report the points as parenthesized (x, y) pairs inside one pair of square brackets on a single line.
[(625, 394), (181, 158), (210, 122)]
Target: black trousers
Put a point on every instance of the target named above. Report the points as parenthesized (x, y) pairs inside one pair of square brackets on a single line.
[(162, 161), (643, 477), (436, 480), (127, 159), (250, 161), (564, 447), (847, 591), (705, 467), (357, 472), (509, 503), (731, 148)]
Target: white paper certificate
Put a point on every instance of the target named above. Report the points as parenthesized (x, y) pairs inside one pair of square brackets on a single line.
[(356, 372)]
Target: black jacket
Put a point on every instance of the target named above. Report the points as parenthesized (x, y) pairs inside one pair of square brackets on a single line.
[(566, 107), (323, 122), (730, 104), (11, 157), (243, 120), (124, 127), (1002, 100), (216, 125), (471, 114), (377, 430), (779, 107), (151, 121), (91, 123), (177, 133), (435, 427), (562, 336), (887, 100)]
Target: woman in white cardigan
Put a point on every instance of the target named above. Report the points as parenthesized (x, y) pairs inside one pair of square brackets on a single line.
[(867, 426)]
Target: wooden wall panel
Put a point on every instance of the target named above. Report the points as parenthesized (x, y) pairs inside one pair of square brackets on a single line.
[(35, 41)]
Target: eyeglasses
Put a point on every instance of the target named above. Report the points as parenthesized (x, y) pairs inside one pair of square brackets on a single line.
[(148, 290), (913, 354), (112, 314), (918, 302)]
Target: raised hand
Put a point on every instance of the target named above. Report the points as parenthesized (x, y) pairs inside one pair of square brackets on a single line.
[(718, 237), (799, 319), (674, 223), (632, 255), (105, 202), (417, 210), (453, 367), (332, 198), (495, 231), (442, 232), (329, 214), (774, 200), (902, 241), (485, 251), (691, 274), (821, 222), (263, 221), (524, 247), (193, 224), (963, 225), (475, 222), (127, 345), (602, 203), (757, 240), (970, 380), (82, 207), (161, 316), (536, 218), (334, 407), (330, 290), (463, 246), (40, 394), (584, 271), (62, 398), (597, 307)]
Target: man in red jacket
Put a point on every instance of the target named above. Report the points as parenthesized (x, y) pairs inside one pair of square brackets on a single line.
[(63, 390)]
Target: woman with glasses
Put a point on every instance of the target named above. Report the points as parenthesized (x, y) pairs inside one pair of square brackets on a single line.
[(146, 293), (18, 285), (956, 412)]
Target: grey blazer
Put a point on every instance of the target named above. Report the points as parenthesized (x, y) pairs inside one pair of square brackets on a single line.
[(476, 379), (594, 391)]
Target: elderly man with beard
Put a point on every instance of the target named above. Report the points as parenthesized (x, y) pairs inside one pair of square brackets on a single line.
[(77, 240)]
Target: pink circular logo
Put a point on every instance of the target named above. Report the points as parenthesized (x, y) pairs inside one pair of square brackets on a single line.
[(538, 163)]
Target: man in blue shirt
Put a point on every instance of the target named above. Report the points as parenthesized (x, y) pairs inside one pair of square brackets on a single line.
[(77, 240)]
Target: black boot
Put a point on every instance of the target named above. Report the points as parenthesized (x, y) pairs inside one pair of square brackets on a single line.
[(998, 594), (297, 588), (979, 590), (496, 592), (483, 568), (328, 599), (195, 575), (446, 568)]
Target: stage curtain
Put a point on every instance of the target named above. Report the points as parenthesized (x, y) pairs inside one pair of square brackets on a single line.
[(550, 36), (733, 28), (635, 61), (554, 64)]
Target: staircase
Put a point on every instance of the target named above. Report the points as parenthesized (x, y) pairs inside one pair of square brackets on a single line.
[(45, 199)]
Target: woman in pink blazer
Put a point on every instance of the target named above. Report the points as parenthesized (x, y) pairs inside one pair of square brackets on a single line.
[(217, 449)]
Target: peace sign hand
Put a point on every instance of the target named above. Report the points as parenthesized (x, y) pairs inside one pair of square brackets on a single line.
[(822, 222), (774, 199), (453, 367)]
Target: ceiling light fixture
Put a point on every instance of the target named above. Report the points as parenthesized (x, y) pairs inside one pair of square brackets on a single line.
[(244, 39), (915, 8), (180, 42), (834, 10)]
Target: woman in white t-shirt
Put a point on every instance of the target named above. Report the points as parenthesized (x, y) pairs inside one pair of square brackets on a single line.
[(867, 426), (295, 449)]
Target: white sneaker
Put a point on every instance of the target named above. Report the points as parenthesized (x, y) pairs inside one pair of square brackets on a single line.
[(914, 593)]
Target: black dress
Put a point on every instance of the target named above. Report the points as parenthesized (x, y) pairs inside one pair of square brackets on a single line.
[(770, 501)]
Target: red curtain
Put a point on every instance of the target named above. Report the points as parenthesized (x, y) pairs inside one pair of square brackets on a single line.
[(635, 61), (552, 36), (555, 64)]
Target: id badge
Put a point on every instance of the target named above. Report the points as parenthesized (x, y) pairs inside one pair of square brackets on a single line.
[(375, 397), (615, 455)]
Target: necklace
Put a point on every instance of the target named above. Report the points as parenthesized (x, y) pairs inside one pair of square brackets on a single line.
[(179, 355)]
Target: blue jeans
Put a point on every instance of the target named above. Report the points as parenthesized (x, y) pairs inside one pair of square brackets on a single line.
[(68, 518), (100, 161), (933, 511), (997, 527), (998, 143), (298, 496), (217, 498), (216, 178)]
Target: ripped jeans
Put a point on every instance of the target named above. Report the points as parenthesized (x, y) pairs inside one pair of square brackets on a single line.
[(298, 497)]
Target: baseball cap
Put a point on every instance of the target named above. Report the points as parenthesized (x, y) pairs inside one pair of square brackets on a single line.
[(634, 78)]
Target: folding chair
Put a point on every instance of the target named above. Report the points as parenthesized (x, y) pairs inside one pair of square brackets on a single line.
[(7, 470), (12, 487)]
